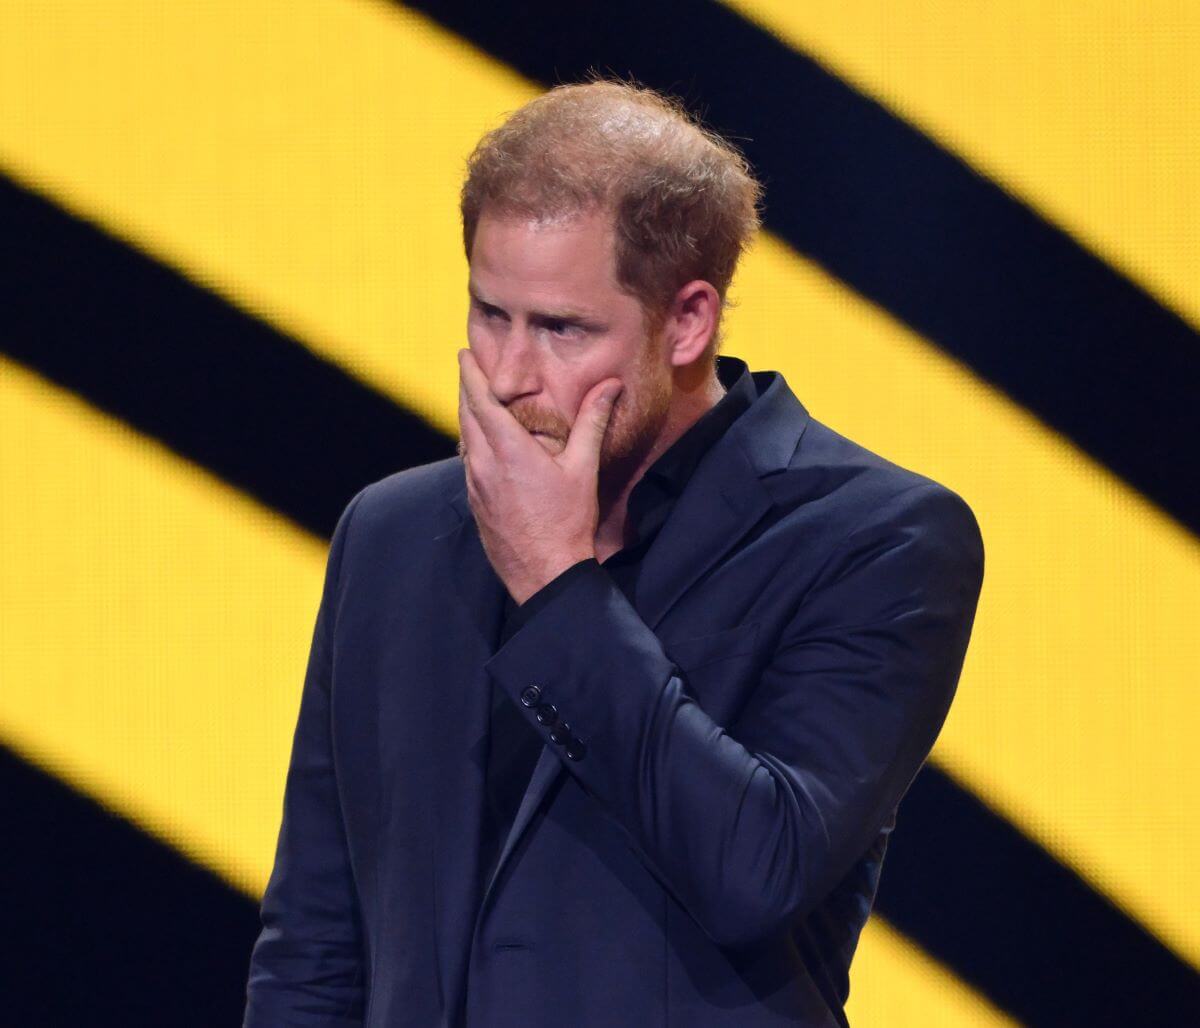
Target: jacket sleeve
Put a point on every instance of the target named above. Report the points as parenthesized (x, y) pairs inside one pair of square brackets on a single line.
[(306, 967), (750, 826)]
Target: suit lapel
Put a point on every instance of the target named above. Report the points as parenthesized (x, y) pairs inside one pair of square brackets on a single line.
[(724, 499)]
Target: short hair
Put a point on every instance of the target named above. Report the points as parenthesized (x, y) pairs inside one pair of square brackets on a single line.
[(685, 202)]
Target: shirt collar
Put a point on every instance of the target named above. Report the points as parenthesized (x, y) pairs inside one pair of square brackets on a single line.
[(675, 465)]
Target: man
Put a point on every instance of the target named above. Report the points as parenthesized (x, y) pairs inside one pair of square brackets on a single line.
[(607, 719)]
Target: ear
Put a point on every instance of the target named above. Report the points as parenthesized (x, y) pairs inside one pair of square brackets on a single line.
[(692, 320)]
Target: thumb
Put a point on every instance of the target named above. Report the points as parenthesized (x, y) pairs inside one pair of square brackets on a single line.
[(588, 432)]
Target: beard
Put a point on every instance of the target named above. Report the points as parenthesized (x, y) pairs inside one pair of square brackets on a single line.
[(636, 425), (636, 422)]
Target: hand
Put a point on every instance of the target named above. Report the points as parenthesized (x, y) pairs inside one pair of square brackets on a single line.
[(537, 513)]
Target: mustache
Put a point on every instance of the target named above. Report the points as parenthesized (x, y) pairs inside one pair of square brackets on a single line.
[(539, 421), (551, 426)]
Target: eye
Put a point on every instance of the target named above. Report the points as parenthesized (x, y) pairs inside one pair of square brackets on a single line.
[(485, 310), (563, 328)]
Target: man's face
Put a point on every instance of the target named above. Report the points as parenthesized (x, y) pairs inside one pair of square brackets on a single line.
[(547, 322)]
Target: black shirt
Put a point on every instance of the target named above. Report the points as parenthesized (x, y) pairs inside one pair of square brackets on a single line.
[(514, 744)]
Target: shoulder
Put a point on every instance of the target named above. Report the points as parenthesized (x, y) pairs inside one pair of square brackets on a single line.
[(860, 496), (412, 499)]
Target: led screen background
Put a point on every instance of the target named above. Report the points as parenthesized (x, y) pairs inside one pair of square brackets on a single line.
[(233, 290)]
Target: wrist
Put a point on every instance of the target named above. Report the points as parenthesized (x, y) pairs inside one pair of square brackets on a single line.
[(551, 570)]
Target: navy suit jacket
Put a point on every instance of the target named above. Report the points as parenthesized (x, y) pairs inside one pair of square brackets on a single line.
[(707, 851)]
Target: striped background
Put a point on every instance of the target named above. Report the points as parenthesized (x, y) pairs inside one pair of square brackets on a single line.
[(231, 292)]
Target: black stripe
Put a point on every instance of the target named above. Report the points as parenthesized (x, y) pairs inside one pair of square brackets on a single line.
[(103, 925), (215, 384), (901, 221), (1023, 929)]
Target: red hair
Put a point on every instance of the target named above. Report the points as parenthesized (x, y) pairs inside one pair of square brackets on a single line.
[(685, 203)]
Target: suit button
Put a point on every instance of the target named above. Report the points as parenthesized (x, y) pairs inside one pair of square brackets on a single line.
[(530, 695), (576, 749), (546, 714), (560, 733)]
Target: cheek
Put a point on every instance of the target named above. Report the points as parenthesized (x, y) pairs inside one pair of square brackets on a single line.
[(597, 371)]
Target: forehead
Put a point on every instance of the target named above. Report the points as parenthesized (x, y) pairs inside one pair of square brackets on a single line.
[(568, 253)]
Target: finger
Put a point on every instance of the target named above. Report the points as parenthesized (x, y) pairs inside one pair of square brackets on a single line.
[(587, 434), (473, 497), (493, 418), (474, 441)]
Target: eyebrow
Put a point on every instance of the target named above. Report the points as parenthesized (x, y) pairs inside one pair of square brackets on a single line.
[(577, 317)]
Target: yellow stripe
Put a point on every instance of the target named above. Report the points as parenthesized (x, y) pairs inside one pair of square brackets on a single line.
[(303, 160), (1087, 112)]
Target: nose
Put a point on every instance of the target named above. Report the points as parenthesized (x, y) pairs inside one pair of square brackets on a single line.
[(516, 371)]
